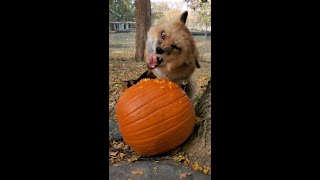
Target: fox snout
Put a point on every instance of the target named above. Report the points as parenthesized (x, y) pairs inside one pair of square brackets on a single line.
[(167, 50), (159, 50)]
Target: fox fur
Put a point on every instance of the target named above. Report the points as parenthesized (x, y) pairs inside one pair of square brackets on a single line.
[(171, 53)]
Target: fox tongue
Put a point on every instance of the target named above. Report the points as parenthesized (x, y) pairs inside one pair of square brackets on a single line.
[(152, 61)]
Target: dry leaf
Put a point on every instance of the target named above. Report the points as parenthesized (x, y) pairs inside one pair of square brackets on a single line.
[(126, 147), (122, 155), (133, 159), (196, 167), (198, 121), (186, 162), (113, 153), (136, 172), (205, 170), (114, 142), (183, 175), (179, 158), (120, 145)]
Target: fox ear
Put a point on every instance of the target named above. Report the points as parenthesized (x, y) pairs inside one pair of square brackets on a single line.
[(184, 17)]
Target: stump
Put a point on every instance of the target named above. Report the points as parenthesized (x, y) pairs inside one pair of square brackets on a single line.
[(198, 147)]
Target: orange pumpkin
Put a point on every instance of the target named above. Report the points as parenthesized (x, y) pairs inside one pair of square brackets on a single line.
[(155, 116)]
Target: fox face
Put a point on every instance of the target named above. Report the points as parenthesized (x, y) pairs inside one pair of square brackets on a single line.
[(170, 49)]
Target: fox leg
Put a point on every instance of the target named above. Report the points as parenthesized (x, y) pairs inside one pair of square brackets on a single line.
[(146, 74)]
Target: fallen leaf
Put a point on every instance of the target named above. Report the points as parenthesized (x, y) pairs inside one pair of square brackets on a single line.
[(120, 145), (133, 159), (122, 155), (196, 167), (205, 170), (136, 172), (114, 142), (113, 153), (198, 121), (179, 158), (183, 175), (186, 162), (126, 147)]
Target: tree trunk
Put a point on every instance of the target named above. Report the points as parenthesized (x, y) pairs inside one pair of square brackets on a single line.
[(143, 23), (198, 147)]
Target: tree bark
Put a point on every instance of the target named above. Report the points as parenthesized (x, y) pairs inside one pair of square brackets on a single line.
[(198, 147), (143, 23)]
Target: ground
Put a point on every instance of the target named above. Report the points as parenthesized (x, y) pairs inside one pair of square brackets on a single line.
[(123, 67)]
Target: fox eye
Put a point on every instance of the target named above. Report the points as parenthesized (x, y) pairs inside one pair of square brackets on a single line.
[(163, 35), (175, 47)]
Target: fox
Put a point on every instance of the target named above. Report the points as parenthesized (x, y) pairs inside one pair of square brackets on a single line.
[(171, 53)]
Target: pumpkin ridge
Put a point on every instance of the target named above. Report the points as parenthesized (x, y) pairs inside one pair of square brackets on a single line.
[(159, 145), (163, 122), (185, 119), (145, 103), (164, 146), (141, 119), (175, 138), (123, 119), (149, 84)]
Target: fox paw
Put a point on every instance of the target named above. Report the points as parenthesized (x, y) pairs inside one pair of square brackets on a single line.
[(129, 83)]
